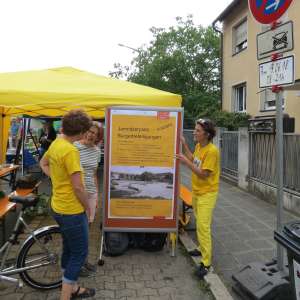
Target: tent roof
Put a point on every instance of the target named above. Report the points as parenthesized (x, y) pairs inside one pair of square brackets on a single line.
[(53, 92)]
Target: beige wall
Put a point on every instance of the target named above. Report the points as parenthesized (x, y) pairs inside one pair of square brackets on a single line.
[(243, 67)]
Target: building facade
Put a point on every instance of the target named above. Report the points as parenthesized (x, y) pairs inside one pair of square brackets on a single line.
[(240, 76)]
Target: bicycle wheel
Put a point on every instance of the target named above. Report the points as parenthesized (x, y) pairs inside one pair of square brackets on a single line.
[(47, 272)]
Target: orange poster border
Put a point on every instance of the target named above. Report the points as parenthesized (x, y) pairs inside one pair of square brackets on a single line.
[(129, 224)]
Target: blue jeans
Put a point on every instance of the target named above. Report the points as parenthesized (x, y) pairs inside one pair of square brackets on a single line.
[(75, 235)]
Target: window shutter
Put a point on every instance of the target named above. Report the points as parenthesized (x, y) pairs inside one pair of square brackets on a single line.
[(241, 33)]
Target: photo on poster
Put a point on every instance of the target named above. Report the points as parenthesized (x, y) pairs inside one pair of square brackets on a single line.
[(151, 183)]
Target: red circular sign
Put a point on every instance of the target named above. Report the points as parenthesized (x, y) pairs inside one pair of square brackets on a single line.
[(268, 11)]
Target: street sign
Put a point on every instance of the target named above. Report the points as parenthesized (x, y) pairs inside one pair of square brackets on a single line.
[(278, 72), (268, 11), (276, 40)]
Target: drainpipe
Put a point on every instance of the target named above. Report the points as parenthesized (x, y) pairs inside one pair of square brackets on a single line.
[(216, 29)]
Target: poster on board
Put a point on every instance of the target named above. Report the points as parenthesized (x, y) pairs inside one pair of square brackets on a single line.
[(141, 172)]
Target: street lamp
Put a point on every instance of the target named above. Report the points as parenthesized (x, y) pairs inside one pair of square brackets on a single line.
[(133, 49)]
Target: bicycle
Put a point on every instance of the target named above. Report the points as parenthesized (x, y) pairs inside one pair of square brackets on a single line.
[(38, 259)]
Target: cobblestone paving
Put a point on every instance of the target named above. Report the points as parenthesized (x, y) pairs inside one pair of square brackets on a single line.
[(135, 275)]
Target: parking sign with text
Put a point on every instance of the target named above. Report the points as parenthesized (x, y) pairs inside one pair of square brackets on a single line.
[(278, 72)]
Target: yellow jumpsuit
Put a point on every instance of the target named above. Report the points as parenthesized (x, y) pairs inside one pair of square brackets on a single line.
[(205, 192)]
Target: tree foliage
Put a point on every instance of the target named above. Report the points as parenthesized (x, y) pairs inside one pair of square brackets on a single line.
[(182, 59)]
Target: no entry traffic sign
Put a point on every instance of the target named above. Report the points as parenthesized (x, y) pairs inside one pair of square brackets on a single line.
[(268, 11)]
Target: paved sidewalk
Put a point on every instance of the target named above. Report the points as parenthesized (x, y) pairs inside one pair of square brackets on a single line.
[(243, 229)]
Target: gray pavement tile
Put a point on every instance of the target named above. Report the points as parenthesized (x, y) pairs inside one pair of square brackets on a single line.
[(165, 297), (124, 278), (265, 233), (258, 225), (248, 235), (260, 244), (219, 227), (114, 285), (227, 221), (220, 236), (167, 291), (135, 285), (7, 288), (224, 262), (243, 227), (145, 277), (270, 223), (218, 248), (125, 293), (147, 292), (35, 296), (248, 257), (55, 295), (18, 296), (268, 255), (236, 245)]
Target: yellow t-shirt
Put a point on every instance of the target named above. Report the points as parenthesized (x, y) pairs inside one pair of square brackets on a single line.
[(206, 158), (64, 160)]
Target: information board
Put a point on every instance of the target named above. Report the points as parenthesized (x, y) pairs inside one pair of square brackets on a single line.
[(278, 72), (141, 172)]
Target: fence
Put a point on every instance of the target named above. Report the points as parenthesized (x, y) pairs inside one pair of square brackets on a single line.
[(229, 153), (262, 160)]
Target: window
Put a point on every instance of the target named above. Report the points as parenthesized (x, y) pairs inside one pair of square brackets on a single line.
[(268, 100), (239, 97), (240, 37)]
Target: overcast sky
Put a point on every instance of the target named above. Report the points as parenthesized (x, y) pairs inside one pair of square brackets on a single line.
[(38, 34)]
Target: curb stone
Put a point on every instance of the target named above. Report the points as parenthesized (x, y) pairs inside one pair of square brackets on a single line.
[(216, 286)]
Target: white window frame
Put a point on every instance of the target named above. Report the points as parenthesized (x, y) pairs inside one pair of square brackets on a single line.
[(240, 43), (236, 99)]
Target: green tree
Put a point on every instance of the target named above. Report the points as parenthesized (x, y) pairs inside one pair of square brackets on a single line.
[(182, 59)]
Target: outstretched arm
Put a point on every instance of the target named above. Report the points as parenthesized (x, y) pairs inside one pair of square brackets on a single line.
[(188, 153)]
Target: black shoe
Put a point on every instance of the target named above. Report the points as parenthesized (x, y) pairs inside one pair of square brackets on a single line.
[(195, 252), (202, 270), (84, 272), (85, 293), (90, 267)]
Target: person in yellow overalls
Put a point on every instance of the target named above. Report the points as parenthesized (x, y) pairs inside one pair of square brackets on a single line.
[(205, 166)]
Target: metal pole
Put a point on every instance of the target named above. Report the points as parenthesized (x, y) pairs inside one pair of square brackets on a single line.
[(279, 171), (23, 143)]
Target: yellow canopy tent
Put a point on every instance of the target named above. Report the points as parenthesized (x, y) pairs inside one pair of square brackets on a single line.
[(53, 92)]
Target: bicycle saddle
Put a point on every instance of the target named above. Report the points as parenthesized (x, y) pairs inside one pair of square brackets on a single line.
[(26, 201)]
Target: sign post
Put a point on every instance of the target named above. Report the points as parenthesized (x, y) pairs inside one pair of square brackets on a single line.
[(279, 175), (275, 73)]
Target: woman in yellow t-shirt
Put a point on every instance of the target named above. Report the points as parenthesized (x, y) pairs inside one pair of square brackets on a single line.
[(205, 166), (69, 202)]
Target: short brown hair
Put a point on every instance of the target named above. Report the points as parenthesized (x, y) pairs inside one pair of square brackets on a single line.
[(208, 126), (75, 122)]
